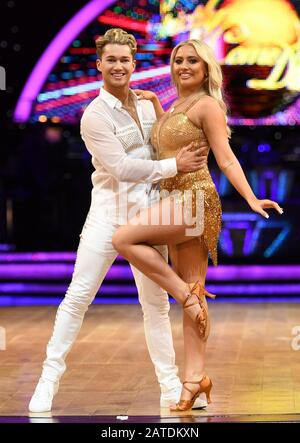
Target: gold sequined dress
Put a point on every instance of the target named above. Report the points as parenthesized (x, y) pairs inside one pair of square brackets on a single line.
[(169, 134)]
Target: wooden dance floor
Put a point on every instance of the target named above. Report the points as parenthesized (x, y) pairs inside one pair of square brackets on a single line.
[(250, 358)]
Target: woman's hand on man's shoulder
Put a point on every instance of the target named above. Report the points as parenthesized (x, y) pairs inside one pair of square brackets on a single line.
[(145, 95)]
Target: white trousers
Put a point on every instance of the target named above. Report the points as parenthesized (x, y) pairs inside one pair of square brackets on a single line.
[(95, 256)]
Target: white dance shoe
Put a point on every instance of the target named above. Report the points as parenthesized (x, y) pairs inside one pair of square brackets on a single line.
[(170, 398), (41, 401)]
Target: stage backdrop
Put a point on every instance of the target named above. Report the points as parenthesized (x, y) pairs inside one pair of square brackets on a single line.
[(257, 42), (258, 45)]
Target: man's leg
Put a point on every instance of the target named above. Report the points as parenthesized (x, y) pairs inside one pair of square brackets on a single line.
[(158, 333), (89, 272)]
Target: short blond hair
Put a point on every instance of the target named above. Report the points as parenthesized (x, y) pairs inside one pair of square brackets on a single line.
[(116, 36)]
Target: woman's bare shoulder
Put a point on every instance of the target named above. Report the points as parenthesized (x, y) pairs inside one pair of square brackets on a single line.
[(205, 107), (206, 101)]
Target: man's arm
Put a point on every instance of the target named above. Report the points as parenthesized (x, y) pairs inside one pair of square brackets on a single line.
[(102, 143)]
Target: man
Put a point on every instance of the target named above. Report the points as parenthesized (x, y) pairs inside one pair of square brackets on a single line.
[(116, 130)]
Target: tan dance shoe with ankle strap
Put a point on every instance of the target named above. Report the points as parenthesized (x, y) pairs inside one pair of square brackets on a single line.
[(202, 319)]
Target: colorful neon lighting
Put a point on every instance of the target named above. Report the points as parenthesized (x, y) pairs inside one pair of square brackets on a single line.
[(94, 86), (55, 50), (253, 225), (77, 90), (17, 289), (122, 22)]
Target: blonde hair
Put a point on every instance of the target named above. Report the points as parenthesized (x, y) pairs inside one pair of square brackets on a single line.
[(116, 36), (213, 82)]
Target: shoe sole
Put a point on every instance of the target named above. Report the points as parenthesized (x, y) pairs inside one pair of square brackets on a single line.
[(196, 405)]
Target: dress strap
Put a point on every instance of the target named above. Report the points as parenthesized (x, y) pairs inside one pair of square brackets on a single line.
[(193, 102)]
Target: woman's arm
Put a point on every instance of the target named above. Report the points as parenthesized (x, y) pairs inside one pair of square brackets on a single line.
[(213, 122), (157, 107), (149, 95)]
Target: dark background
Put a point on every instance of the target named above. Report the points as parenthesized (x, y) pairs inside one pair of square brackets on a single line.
[(40, 186)]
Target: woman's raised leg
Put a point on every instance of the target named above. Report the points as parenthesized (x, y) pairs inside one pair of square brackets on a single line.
[(153, 226), (158, 225)]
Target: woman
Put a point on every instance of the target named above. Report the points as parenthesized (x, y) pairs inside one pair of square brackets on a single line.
[(199, 116)]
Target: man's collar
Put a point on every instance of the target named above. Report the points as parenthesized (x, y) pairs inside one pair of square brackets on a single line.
[(113, 101)]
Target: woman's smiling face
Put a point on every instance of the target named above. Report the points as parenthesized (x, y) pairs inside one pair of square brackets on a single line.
[(189, 69)]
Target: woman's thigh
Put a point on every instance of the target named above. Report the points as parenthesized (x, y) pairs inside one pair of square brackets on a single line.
[(162, 223)]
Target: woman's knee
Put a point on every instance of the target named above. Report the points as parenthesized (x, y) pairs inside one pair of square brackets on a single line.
[(119, 239)]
